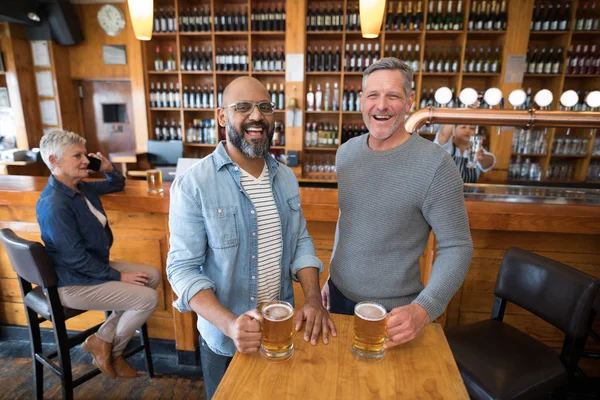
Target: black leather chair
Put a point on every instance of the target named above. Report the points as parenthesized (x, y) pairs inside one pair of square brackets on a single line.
[(498, 361), (42, 303)]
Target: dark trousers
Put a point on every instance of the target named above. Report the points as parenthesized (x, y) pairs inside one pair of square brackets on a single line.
[(338, 303), (213, 368)]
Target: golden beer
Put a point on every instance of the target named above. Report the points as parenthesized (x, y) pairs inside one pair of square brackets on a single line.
[(154, 179), (277, 330), (369, 331)]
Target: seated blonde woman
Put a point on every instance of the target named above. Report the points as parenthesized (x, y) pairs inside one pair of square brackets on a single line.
[(78, 238)]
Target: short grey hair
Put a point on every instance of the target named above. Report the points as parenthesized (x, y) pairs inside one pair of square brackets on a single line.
[(55, 144), (391, 64)]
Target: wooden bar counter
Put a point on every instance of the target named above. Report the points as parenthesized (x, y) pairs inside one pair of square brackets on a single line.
[(569, 233)]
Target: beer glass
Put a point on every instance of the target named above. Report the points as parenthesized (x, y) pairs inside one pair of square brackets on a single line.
[(154, 179), (277, 330), (474, 147), (369, 331)]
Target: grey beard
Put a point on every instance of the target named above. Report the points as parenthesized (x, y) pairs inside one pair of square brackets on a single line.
[(392, 129), (256, 149)]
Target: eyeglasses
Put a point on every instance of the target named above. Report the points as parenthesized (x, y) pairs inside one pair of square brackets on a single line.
[(246, 107)]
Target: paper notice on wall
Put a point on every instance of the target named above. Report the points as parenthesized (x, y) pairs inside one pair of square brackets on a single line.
[(515, 69), (45, 83), (48, 111), (294, 68), (41, 53)]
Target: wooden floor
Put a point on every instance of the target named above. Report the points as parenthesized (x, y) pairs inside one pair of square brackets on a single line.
[(170, 382)]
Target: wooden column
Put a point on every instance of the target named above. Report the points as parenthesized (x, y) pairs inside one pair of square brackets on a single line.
[(295, 43), (20, 79)]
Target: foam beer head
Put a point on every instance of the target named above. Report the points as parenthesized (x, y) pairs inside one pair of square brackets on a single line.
[(370, 311), (277, 312)]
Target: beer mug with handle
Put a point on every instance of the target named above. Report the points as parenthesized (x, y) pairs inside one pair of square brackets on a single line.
[(277, 330), (369, 331)]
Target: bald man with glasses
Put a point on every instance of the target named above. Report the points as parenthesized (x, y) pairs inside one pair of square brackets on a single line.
[(238, 237)]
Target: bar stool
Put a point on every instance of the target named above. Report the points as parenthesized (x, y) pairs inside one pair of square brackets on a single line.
[(498, 361), (42, 303)]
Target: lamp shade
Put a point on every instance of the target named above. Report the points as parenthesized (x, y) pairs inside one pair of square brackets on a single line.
[(371, 17), (142, 17)]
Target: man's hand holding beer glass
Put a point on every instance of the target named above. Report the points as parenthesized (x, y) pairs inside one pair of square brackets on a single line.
[(405, 323), (246, 331)]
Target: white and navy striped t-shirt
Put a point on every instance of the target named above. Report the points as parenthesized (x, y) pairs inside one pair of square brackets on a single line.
[(269, 234)]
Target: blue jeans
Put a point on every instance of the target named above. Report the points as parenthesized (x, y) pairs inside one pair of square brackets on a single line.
[(213, 368), (338, 303)]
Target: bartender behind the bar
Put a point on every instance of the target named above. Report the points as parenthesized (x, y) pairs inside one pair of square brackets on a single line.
[(455, 140), (393, 189)]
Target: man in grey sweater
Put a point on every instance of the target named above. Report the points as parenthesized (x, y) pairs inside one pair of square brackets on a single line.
[(393, 188)]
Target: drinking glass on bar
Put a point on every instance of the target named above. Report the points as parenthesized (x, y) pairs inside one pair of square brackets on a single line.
[(474, 147), (277, 330), (369, 331), (154, 180)]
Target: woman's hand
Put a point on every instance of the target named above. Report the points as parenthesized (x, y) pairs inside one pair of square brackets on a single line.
[(106, 165), (135, 277)]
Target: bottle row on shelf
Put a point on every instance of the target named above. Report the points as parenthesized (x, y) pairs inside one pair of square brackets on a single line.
[(586, 18), (202, 131), (325, 134), (191, 19), (409, 19), (324, 101), (163, 97), (488, 16), (165, 131), (583, 60), (525, 170), (550, 16), (542, 62)]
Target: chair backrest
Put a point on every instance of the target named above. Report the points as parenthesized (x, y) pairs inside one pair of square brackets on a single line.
[(29, 259), (555, 292)]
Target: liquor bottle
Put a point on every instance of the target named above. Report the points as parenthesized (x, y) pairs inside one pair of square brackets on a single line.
[(327, 98), (171, 20), (156, 26), (281, 98), (163, 21), (389, 18), (430, 17), (158, 62), (335, 103), (418, 17), (472, 16), (157, 130), (399, 20), (457, 24), (318, 98), (448, 22), (310, 99), (171, 63)]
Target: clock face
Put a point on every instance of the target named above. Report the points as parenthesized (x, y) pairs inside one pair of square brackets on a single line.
[(111, 19)]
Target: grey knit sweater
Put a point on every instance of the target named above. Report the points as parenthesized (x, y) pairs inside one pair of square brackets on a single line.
[(389, 201)]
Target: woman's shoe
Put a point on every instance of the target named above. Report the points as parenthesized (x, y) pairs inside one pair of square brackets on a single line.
[(100, 351), (123, 369)]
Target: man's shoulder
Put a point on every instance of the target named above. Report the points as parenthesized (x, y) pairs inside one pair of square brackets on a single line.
[(352, 145), (200, 172), (429, 150)]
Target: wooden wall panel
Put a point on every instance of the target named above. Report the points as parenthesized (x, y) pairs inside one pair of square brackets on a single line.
[(86, 57), (68, 104)]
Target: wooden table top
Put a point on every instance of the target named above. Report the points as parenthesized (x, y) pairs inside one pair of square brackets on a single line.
[(422, 368)]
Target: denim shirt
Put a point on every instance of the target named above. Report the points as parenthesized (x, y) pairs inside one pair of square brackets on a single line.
[(214, 243), (75, 240)]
